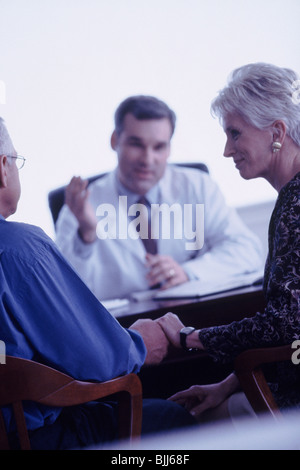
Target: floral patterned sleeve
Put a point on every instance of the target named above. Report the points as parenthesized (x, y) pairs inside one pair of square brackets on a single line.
[(280, 322)]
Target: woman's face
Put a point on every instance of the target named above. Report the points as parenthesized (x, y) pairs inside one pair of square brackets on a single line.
[(250, 148)]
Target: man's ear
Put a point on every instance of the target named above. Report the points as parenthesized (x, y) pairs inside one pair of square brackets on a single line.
[(114, 140), (3, 171)]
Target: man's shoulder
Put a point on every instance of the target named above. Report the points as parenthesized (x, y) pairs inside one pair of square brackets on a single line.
[(187, 171), (19, 227), (184, 184), (21, 236), (185, 175)]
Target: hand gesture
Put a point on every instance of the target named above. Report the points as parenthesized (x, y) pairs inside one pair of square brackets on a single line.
[(76, 197)]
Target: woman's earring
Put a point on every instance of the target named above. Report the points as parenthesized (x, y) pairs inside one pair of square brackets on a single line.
[(276, 146)]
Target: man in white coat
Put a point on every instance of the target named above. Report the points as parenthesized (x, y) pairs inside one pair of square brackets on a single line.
[(103, 229)]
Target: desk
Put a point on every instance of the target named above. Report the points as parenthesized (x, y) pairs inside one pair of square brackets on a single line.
[(182, 369), (217, 309)]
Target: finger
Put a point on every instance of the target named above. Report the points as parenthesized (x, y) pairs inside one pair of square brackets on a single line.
[(188, 402), (76, 202), (161, 270), (141, 322), (77, 184), (182, 401), (174, 281), (151, 259), (75, 188), (156, 277), (198, 410), (154, 260), (176, 276), (182, 395), (155, 270), (170, 319), (168, 272)]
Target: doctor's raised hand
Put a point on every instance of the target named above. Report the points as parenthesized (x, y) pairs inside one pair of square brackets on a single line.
[(76, 197)]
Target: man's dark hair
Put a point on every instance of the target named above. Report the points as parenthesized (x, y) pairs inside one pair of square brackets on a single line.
[(143, 107)]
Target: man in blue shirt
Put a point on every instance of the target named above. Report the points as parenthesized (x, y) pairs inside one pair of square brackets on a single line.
[(47, 314)]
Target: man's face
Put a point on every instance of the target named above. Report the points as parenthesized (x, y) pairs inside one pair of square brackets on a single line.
[(143, 148)]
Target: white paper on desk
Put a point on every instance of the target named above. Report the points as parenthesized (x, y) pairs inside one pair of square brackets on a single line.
[(114, 303), (144, 295), (194, 289)]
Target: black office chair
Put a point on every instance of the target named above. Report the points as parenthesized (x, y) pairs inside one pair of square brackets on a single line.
[(56, 197)]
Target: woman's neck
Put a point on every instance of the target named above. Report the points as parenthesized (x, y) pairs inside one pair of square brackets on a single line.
[(285, 165)]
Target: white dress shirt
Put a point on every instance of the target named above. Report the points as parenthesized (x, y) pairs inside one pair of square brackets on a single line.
[(115, 267)]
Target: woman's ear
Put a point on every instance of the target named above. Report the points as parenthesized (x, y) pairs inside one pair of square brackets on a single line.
[(279, 131)]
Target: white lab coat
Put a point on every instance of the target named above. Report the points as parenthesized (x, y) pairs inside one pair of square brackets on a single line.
[(115, 268)]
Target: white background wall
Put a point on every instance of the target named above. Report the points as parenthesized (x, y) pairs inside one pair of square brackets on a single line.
[(66, 65)]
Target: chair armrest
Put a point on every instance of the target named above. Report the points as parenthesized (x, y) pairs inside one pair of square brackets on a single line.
[(252, 379), (252, 358)]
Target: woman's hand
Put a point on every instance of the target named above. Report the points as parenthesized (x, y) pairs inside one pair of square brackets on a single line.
[(201, 398), (171, 326)]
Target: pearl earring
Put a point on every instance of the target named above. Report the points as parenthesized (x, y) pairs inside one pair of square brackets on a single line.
[(276, 146)]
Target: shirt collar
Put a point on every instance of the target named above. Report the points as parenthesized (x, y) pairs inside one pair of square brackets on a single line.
[(152, 196)]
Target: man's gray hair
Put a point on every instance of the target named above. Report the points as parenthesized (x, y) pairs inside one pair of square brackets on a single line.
[(6, 145), (262, 94)]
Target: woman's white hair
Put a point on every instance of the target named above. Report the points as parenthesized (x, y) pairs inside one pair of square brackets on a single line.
[(6, 145), (262, 94)]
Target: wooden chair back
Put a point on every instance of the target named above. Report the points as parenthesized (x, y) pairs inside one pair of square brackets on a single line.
[(22, 379), (248, 368)]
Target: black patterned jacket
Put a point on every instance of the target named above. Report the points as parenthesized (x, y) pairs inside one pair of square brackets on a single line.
[(279, 324)]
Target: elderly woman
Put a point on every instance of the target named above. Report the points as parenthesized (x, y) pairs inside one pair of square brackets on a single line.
[(259, 110)]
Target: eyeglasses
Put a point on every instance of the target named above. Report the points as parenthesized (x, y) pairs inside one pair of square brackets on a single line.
[(20, 161)]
